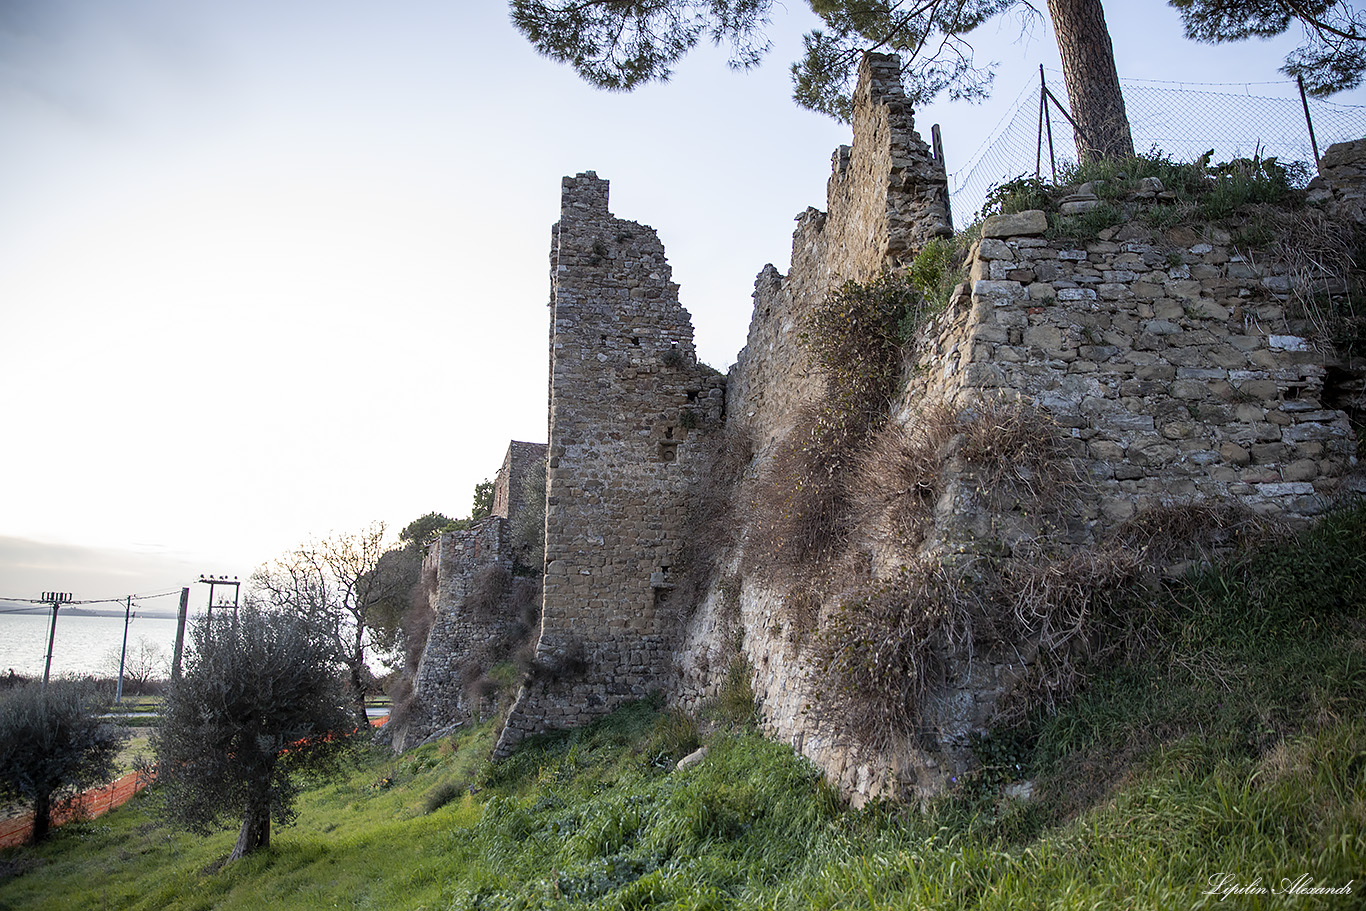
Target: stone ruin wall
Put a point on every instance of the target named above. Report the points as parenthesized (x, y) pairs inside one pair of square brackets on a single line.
[(461, 629), (629, 406), (454, 559), (887, 196), (1169, 364), (514, 478)]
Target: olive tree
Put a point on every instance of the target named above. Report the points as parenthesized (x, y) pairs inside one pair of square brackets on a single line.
[(257, 703), (52, 744)]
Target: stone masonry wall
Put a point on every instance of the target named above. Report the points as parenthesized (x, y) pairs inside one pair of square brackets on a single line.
[(1168, 360), (457, 634), (509, 487), (472, 620), (628, 406), (886, 198)]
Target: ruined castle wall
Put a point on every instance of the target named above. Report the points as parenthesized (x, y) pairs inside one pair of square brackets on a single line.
[(510, 486), (461, 631), (1168, 360), (887, 196), (628, 404)]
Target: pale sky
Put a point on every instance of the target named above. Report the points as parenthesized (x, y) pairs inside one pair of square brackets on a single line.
[(277, 268)]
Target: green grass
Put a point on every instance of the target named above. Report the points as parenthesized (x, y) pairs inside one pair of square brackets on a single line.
[(1234, 743)]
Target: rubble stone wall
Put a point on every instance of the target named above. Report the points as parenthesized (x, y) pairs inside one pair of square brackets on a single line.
[(628, 406), (458, 633), (887, 196), (1169, 360), (510, 486)]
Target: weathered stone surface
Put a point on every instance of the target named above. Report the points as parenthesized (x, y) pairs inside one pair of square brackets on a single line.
[(1021, 224)]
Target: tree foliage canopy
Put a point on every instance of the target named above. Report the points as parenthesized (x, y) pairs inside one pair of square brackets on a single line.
[(930, 36), (257, 702), (622, 44), (1332, 58), (53, 743), (482, 507), (418, 532)]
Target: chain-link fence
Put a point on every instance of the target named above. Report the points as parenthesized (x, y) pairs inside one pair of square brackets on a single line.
[(1182, 120)]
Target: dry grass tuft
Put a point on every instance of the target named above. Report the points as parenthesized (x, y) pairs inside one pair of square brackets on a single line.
[(1015, 444), (901, 473), (882, 650), (799, 503), (1320, 252), (488, 590), (1192, 530)]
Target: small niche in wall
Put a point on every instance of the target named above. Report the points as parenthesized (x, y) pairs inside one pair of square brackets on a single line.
[(668, 451)]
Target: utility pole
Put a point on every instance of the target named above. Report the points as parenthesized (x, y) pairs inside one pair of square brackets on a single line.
[(180, 632), (56, 599), (123, 654), (212, 581)]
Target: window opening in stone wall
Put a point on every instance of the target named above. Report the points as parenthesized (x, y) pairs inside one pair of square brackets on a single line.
[(668, 452), (635, 340), (668, 433)]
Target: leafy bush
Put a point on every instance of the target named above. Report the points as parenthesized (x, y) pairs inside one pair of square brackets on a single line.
[(934, 272), (1020, 194)]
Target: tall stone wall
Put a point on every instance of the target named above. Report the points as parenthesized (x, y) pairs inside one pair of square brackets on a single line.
[(510, 486), (474, 620), (887, 196), (628, 406), (459, 632), (1170, 361)]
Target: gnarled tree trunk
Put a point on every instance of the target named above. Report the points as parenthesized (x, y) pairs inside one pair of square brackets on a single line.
[(42, 817), (1088, 67), (255, 831)]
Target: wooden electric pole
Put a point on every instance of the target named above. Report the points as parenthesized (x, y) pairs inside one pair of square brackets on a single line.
[(56, 599)]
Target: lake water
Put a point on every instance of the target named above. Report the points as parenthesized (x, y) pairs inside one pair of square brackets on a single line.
[(84, 643)]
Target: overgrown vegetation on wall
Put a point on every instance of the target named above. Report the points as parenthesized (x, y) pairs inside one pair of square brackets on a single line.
[(856, 338), (1259, 201)]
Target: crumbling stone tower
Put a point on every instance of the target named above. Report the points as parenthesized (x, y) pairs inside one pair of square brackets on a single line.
[(628, 404)]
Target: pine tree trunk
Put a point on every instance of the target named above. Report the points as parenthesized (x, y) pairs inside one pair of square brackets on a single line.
[(42, 817), (1088, 67), (255, 832)]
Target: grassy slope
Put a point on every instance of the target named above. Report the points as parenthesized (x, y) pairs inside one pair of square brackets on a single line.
[(1237, 745)]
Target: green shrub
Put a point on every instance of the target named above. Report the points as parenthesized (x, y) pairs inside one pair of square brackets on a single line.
[(934, 273), (1018, 195), (443, 794)]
